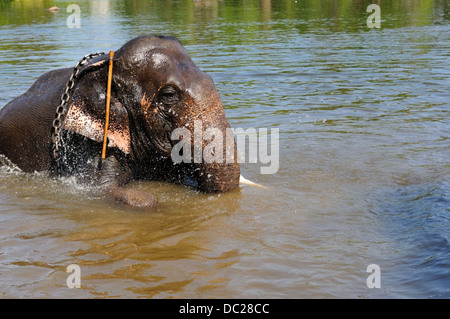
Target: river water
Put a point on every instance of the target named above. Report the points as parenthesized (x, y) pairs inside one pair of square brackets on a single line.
[(363, 178)]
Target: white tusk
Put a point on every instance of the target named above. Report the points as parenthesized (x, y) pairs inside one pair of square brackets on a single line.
[(244, 181)]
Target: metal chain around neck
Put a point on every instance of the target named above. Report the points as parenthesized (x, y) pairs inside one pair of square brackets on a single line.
[(63, 107)]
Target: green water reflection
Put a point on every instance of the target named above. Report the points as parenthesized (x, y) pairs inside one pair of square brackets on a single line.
[(306, 15)]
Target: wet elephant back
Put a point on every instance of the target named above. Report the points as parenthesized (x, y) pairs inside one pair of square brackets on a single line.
[(26, 122)]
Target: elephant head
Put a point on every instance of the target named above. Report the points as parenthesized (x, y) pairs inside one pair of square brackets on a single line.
[(156, 88)]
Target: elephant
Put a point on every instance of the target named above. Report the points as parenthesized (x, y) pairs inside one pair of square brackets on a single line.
[(155, 88)]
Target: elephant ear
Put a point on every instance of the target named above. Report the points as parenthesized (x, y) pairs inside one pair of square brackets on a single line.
[(87, 112)]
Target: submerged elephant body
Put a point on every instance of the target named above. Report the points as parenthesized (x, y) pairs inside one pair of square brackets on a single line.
[(155, 89)]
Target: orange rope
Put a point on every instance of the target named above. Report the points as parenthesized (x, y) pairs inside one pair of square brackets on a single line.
[(108, 101)]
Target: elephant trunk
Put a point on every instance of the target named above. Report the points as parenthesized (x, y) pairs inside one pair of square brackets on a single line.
[(219, 170), (218, 177)]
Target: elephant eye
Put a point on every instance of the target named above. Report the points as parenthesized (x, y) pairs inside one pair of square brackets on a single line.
[(168, 95)]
